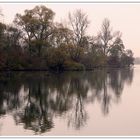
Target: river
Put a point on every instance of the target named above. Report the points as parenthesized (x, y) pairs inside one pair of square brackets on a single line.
[(103, 102)]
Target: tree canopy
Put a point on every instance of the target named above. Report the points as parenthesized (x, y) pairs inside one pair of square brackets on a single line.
[(35, 42)]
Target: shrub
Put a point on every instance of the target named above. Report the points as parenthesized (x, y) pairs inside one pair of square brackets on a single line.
[(55, 58), (71, 65)]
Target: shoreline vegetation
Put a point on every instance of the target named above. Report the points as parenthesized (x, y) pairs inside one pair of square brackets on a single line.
[(62, 70), (34, 42)]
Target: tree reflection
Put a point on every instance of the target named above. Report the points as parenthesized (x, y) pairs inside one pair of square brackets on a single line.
[(35, 99), (78, 92)]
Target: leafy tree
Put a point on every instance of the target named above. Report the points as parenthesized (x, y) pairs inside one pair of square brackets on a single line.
[(37, 26), (115, 52), (3, 55), (62, 36), (56, 58), (2, 30), (127, 58)]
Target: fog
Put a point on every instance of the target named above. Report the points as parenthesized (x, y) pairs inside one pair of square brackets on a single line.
[(123, 17)]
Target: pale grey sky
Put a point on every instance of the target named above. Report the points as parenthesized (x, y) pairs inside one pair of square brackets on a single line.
[(123, 17)]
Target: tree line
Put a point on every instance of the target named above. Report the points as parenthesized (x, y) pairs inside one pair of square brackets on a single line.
[(35, 42)]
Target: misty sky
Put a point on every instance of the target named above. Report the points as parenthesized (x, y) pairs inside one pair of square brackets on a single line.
[(123, 17)]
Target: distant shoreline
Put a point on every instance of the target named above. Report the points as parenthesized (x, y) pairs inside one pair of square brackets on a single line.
[(48, 70)]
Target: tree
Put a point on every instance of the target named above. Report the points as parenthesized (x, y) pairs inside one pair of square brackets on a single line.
[(79, 23), (37, 25), (3, 54), (2, 30), (56, 58), (117, 48), (35, 41), (127, 58), (95, 53), (62, 36), (12, 48), (105, 35), (12, 37), (115, 52)]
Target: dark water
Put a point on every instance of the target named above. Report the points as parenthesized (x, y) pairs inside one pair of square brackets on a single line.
[(97, 103)]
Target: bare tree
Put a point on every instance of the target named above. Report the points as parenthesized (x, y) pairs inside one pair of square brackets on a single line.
[(105, 35), (79, 23)]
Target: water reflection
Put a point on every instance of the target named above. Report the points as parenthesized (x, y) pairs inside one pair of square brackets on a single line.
[(35, 99)]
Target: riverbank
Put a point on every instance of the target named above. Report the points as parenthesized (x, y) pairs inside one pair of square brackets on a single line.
[(70, 69)]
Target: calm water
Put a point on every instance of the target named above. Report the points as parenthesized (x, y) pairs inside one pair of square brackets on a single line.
[(102, 102)]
